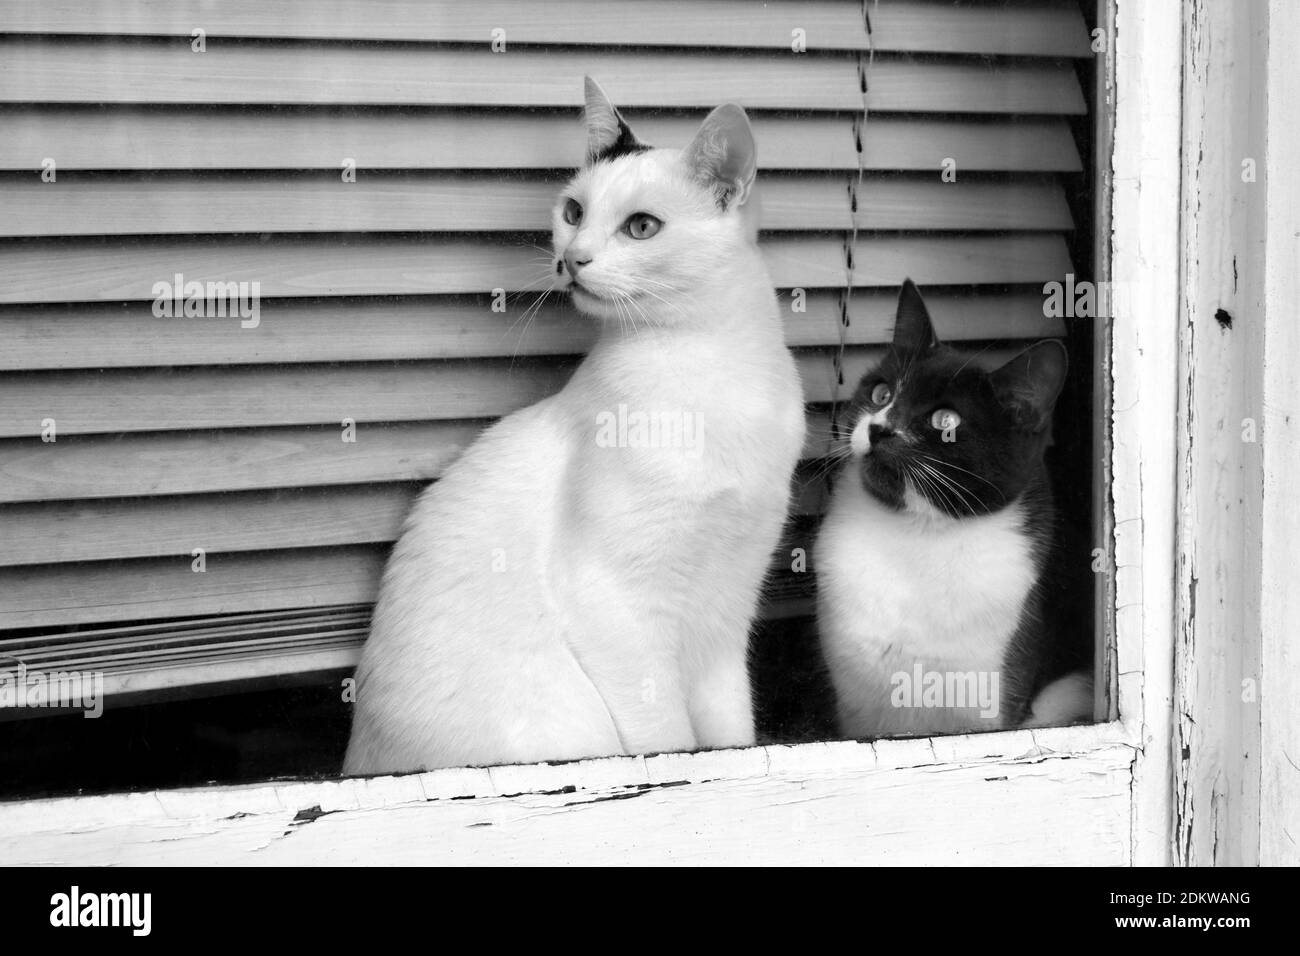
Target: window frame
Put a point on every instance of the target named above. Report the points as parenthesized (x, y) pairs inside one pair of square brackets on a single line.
[(1097, 794)]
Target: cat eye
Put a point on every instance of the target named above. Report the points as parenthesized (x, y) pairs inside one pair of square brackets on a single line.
[(642, 225), (944, 419), (572, 212), (881, 394)]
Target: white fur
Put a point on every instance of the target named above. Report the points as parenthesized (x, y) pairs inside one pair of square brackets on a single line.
[(618, 621), (900, 587), (1066, 700)]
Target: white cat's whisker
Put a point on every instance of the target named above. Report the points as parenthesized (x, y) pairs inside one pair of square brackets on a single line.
[(527, 317), (631, 302), (676, 307), (528, 287)]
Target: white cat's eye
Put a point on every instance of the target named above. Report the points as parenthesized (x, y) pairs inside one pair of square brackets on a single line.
[(572, 212), (642, 225), (944, 419), (881, 394)]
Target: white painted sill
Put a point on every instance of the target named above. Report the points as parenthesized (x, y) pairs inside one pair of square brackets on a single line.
[(924, 800)]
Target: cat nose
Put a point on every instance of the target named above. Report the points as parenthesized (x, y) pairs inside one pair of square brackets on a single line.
[(576, 259)]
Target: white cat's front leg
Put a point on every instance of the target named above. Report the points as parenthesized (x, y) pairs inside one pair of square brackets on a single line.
[(721, 700)]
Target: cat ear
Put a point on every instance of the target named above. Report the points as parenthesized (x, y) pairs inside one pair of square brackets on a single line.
[(913, 330), (722, 156), (608, 135), (1029, 384)]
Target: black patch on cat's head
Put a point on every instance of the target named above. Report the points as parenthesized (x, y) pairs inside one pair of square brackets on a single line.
[(625, 145), (995, 452)]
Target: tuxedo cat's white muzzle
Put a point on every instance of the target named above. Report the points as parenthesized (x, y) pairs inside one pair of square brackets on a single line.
[(860, 439)]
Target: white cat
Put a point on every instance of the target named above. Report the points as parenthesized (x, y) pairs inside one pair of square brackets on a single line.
[(582, 580)]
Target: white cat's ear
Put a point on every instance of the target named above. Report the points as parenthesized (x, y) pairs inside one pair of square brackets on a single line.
[(608, 134), (1030, 383), (723, 156), (913, 330)]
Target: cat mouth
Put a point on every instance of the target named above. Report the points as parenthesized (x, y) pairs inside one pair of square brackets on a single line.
[(577, 288)]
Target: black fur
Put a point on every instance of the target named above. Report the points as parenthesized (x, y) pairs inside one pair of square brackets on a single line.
[(625, 145)]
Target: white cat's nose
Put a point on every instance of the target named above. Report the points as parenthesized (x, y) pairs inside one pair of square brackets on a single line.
[(576, 259)]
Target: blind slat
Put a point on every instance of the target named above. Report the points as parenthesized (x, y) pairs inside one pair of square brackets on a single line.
[(238, 396), (42, 595), (1044, 29), (56, 271), (251, 521), (162, 463), (182, 138), (450, 203), (63, 531), (358, 330), (166, 463), (163, 400), (77, 71)]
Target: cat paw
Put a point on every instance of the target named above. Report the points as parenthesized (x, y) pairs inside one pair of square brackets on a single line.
[(1067, 700)]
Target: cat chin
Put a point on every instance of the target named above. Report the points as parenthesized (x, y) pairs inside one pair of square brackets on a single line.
[(591, 304), (889, 489), (882, 484)]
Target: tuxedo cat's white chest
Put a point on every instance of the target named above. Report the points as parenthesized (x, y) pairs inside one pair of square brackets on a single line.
[(919, 586)]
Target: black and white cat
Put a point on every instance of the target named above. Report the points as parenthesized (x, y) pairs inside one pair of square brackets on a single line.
[(933, 554), (581, 582)]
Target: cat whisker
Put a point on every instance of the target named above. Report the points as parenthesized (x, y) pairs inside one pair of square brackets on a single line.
[(665, 286), (948, 464), (829, 464), (835, 455), (624, 318), (531, 286), (960, 490), (928, 478), (527, 318), (924, 483), (627, 304), (676, 307), (959, 486), (941, 481), (634, 304)]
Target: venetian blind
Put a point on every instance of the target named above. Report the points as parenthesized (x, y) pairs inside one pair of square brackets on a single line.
[(135, 149)]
